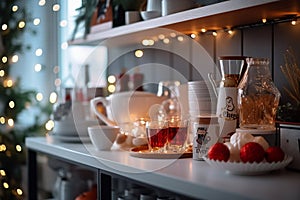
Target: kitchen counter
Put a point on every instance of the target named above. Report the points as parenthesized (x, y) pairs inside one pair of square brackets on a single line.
[(195, 179)]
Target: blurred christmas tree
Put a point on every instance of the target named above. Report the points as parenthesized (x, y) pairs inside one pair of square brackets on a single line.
[(13, 100)]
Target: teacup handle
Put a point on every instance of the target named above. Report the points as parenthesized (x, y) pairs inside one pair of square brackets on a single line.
[(94, 103), (213, 83)]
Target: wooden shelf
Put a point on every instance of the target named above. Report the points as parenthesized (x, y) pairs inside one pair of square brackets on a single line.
[(222, 15)]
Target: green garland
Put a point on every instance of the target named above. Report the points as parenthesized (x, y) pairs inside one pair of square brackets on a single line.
[(11, 157)]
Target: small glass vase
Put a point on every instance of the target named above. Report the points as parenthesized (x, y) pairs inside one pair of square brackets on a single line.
[(258, 97)]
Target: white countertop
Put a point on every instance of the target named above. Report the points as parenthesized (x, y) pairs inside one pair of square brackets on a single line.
[(184, 176)]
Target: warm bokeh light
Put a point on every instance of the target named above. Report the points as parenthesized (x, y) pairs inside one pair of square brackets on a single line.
[(19, 192), (148, 42), (49, 125), (14, 8), (11, 104), (173, 35), (203, 30), (39, 96), (180, 38), (53, 97), (21, 24), (111, 79), (145, 42), (2, 73), (166, 40), (5, 185), (111, 88), (18, 148), (36, 21), (4, 27), (4, 59), (161, 36), (151, 42), (10, 122), (2, 147), (38, 52), (42, 2), (8, 83), (56, 7), (37, 67), (139, 53), (2, 172), (15, 58), (193, 35), (2, 120)]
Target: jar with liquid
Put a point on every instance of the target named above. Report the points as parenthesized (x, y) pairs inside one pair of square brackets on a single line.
[(258, 97)]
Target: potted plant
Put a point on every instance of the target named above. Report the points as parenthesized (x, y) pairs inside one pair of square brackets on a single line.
[(289, 112), (288, 116)]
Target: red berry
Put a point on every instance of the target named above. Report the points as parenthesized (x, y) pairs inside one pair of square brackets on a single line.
[(252, 152), (219, 151), (274, 154)]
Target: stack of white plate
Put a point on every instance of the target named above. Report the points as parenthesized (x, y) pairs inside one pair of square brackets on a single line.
[(202, 99), (71, 129)]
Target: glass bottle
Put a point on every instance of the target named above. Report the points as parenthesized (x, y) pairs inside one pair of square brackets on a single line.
[(258, 97), (232, 68)]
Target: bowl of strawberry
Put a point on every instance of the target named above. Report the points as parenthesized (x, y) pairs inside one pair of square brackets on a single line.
[(246, 155)]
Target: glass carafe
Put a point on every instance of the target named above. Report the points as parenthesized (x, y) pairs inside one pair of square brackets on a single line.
[(258, 97), (232, 68)]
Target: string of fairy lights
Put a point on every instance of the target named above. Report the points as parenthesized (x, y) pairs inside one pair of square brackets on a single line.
[(139, 53), (175, 37), (9, 82)]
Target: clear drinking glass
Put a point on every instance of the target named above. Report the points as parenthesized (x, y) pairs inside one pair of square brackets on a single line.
[(177, 137), (157, 135)]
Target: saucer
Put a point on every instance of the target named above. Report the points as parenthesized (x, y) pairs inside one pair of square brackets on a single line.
[(143, 152)]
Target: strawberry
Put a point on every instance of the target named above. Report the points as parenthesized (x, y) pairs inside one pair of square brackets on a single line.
[(274, 154), (252, 152), (219, 151)]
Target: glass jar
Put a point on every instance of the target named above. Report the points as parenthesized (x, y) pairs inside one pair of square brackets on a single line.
[(258, 97)]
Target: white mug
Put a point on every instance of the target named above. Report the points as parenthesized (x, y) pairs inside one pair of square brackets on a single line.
[(103, 137)]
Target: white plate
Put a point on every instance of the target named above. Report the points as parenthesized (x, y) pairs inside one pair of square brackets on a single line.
[(241, 168)]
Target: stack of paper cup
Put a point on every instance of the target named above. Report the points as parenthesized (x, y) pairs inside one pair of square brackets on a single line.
[(202, 99)]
